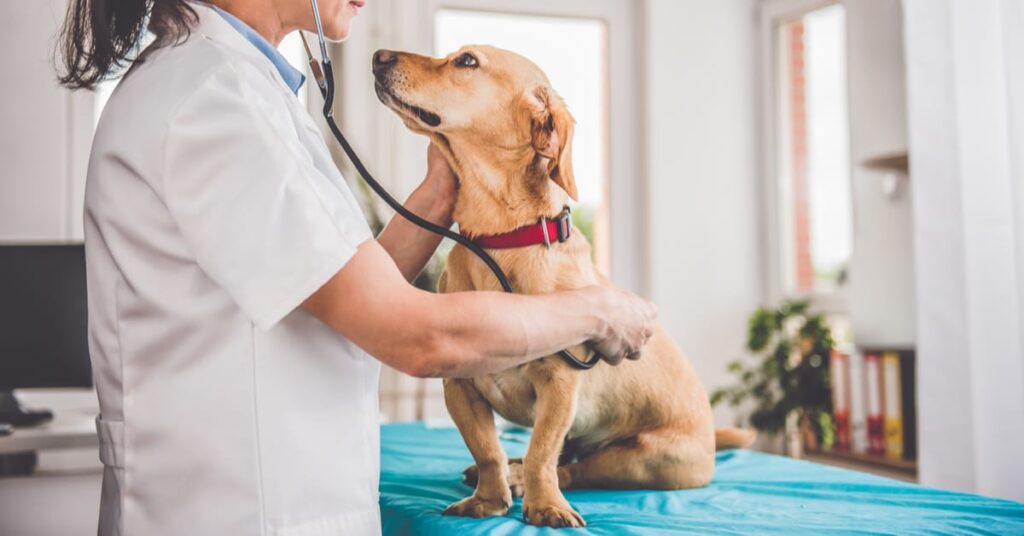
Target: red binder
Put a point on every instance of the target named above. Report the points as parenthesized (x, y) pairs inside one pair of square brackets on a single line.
[(840, 371), (876, 422), (858, 404)]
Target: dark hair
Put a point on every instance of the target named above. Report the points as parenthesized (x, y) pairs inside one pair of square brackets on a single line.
[(101, 37)]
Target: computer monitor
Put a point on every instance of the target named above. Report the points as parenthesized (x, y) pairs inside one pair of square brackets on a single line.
[(43, 323)]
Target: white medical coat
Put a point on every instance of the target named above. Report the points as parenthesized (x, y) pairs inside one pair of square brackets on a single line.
[(213, 209)]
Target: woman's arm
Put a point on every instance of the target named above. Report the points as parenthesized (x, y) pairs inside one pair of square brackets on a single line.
[(408, 245), (470, 333)]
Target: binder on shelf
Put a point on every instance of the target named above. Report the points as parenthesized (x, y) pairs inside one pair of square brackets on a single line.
[(873, 384), (908, 391), (892, 387), (858, 401), (839, 369)]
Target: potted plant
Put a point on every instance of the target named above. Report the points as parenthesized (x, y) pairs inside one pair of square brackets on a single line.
[(786, 383)]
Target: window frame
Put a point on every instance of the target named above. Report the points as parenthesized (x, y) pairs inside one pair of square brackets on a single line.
[(771, 14)]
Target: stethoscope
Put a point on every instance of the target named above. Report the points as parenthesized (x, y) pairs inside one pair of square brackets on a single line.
[(323, 73)]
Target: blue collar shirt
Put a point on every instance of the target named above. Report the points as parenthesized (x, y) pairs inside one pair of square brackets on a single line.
[(292, 77)]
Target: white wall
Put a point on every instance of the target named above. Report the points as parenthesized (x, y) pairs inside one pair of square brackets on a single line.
[(42, 145), (881, 287), (704, 270), (45, 133)]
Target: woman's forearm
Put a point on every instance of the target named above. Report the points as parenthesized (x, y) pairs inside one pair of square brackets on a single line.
[(474, 333), (408, 245), (482, 332), (470, 333)]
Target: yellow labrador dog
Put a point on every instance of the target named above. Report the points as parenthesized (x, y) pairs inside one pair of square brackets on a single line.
[(645, 424)]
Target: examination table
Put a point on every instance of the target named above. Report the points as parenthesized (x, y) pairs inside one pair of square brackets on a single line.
[(752, 493)]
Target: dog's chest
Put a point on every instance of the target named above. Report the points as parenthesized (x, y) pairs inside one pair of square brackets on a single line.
[(511, 395)]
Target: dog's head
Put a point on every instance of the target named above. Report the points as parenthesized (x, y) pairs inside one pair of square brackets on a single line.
[(485, 107)]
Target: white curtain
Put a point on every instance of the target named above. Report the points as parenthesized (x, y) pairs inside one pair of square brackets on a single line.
[(965, 92)]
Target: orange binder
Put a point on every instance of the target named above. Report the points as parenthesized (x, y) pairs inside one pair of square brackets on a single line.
[(893, 411)]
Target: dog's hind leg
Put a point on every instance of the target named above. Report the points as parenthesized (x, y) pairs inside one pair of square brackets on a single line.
[(475, 420), (652, 460), (471, 475)]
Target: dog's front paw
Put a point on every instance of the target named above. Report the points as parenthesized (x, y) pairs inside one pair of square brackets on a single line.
[(474, 506), (557, 514)]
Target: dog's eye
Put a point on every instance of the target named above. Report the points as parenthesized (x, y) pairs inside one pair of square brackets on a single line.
[(466, 60)]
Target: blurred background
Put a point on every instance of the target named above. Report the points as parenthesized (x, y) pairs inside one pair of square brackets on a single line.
[(824, 198)]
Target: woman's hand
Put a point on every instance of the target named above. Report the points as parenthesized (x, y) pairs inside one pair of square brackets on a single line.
[(434, 199), (628, 324), (440, 186)]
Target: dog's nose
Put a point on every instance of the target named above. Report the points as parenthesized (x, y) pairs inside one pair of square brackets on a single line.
[(384, 60)]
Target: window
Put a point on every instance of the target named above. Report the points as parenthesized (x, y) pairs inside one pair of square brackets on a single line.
[(106, 87), (103, 91), (292, 50), (573, 53), (813, 192)]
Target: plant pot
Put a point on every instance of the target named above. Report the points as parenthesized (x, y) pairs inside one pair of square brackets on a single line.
[(794, 436), (772, 443)]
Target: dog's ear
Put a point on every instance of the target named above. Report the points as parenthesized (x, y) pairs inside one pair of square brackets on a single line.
[(551, 131)]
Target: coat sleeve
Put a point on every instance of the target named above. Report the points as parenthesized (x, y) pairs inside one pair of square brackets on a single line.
[(249, 201)]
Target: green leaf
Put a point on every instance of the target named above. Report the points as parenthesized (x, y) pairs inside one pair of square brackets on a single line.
[(737, 398), (826, 430), (759, 329), (796, 307), (717, 396)]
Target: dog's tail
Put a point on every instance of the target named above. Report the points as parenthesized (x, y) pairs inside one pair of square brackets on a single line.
[(733, 438)]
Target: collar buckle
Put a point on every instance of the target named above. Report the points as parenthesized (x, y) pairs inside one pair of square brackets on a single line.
[(563, 227), (564, 220), (544, 230)]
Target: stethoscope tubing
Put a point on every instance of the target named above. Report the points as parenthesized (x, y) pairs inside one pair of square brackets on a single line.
[(326, 86)]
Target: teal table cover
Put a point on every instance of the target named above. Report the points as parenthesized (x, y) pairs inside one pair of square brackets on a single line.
[(752, 493)]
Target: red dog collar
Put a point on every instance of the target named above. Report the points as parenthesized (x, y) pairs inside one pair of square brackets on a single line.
[(545, 232)]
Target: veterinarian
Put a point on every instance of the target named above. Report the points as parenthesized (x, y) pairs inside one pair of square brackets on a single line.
[(238, 303)]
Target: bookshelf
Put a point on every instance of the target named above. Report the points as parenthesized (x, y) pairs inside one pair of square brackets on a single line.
[(898, 162), (905, 470), (874, 408)]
